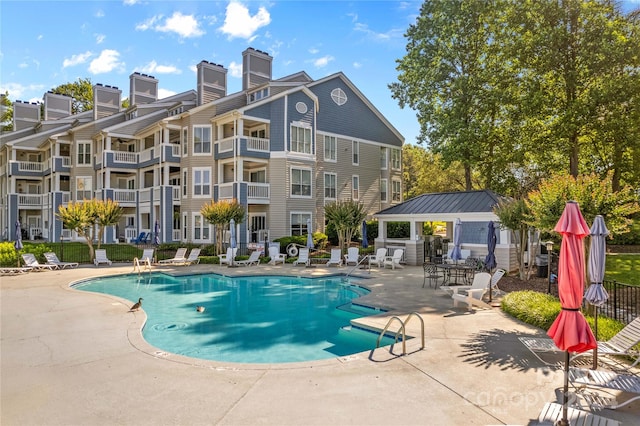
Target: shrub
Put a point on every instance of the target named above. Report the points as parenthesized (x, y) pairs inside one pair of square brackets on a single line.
[(532, 307)]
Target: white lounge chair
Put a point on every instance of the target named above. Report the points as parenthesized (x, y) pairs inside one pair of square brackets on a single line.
[(31, 261), (254, 259), (52, 259), (352, 257), (394, 261), (191, 259), (336, 257), (582, 378), (15, 271), (147, 254), (276, 256), (497, 275), (552, 412), (378, 258), (303, 257), (229, 256), (179, 257), (472, 295), (101, 257), (620, 344), (480, 280)]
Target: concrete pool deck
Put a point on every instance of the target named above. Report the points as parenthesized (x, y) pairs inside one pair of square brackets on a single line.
[(75, 358)]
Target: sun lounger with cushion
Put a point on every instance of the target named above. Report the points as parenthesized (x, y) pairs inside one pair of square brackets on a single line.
[(31, 261)]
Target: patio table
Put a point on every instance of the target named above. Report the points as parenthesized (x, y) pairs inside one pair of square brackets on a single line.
[(456, 271)]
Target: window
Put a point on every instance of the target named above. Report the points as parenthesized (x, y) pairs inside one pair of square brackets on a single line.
[(257, 176), (396, 191), (330, 189), (201, 182), (301, 182), (200, 228), (184, 182), (202, 140), (184, 227), (338, 96), (185, 141), (356, 152), (395, 159), (330, 148), (299, 223), (257, 95), (259, 133), (383, 190), (301, 139), (84, 153), (355, 186), (83, 188), (383, 158)]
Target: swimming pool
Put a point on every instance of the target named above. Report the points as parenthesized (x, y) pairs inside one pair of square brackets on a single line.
[(259, 319)]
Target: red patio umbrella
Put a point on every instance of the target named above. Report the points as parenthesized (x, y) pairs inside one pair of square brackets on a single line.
[(570, 330)]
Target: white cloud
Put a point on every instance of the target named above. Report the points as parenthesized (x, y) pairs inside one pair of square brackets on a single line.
[(391, 34), (323, 62), (100, 38), (108, 61), (18, 91), (357, 65), (78, 59), (186, 26), (129, 2), (239, 23), (153, 68), (235, 69), (100, 13), (313, 50), (164, 93)]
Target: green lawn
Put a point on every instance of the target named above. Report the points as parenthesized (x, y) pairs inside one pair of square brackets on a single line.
[(624, 268)]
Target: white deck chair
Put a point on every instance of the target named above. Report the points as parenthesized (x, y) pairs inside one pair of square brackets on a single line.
[(254, 259), (101, 257), (276, 256), (497, 276), (582, 379), (480, 280), (229, 256), (621, 344), (147, 254), (15, 271), (179, 257), (472, 295), (336, 257), (192, 258), (52, 259), (378, 258), (552, 412), (352, 257), (31, 261), (394, 261), (303, 257)]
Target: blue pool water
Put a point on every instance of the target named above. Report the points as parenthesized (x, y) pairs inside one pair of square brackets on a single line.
[(264, 319)]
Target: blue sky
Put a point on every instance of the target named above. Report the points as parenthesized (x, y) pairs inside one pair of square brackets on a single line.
[(44, 44)]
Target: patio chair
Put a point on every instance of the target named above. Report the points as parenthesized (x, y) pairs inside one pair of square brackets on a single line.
[(101, 257), (147, 254), (336, 257), (352, 257), (552, 412), (581, 379), (303, 257), (229, 256), (621, 344), (31, 261), (497, 276), (15, 271), (52, 259), (180, 256), (378, 258), (191, 259), (394, 261), (142, 238), (276, 256), (472, 295), (430, 274), (254, 259)]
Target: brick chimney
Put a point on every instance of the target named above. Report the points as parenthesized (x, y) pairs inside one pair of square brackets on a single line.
[(212, 82), (256, 68)]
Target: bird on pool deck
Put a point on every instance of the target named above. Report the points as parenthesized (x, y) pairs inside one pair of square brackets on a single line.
[(136, 306), (200, 308)]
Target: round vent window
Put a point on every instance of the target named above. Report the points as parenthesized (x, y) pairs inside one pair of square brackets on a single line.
[(301, 107), (338, 96)]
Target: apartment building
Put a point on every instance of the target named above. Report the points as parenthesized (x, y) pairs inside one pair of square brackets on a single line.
[(282, 147)]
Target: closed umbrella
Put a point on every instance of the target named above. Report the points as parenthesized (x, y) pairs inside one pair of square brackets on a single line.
[(570, 331), (18, 243), (232, 241), (456, 253), (156, 231), (596, 294), (309, 236), (365, 243), (490, 261)]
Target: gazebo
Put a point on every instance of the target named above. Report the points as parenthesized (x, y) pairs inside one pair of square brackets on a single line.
[(473, 208)]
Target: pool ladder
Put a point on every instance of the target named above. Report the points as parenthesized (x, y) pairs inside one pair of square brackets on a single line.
[(141, 265), (402, 329)]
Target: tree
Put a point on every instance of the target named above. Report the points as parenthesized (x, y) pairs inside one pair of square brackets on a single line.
[(424, 172), (346, 217), (515, 216), (83, 216), (7, 113), (220, 213), (81, 91)]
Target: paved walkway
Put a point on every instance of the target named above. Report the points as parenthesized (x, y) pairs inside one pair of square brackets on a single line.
[(75, 358)]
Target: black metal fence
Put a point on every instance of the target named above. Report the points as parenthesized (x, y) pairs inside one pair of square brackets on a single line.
[(623, 303)]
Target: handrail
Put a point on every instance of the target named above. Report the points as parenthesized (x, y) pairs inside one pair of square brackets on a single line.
[(358, 264), (403, 325), (146, 265), (404, 344)]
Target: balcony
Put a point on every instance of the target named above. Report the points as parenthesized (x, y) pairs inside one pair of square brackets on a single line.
[(125, 197), (245, 145), (27, 168), (256, 193), (30, 200)]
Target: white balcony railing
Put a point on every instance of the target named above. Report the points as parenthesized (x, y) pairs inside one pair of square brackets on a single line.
[(176, 235), (226, 145), (66, 196), (124, 195), (258, 144), (175, 150), (30, 200), (30, 166), (146, 155), (145, 195), (258, 190), (125, 157), (66, 161), (225, 190), (175, 193)]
